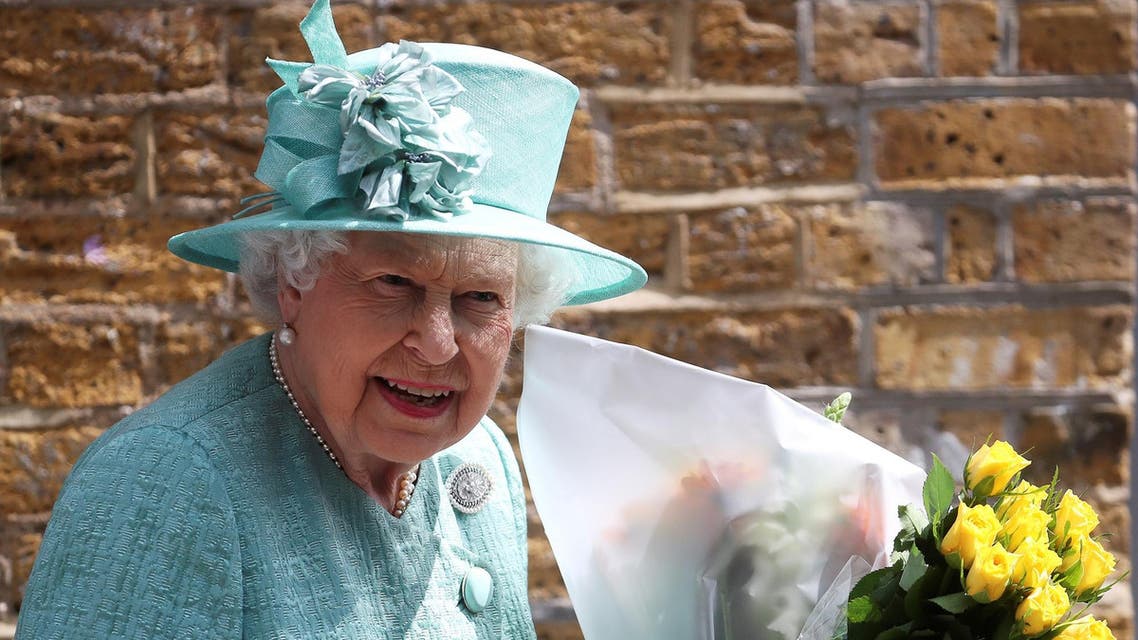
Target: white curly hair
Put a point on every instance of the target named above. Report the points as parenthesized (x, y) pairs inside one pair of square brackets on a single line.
[(542, 284)]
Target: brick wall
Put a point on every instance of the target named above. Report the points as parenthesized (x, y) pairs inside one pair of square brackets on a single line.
[(928, 202)]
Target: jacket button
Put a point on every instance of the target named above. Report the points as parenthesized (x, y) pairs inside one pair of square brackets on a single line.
[(477, 588)]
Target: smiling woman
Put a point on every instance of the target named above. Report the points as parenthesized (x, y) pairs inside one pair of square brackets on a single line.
[(338, 477), (399, 348)]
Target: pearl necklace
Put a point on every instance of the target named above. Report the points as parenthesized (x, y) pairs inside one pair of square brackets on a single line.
[(406, 481)]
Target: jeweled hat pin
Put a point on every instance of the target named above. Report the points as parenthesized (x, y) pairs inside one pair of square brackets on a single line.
[(427, 138)]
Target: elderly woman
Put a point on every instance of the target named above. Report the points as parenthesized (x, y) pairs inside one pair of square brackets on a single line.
[(338, 478)]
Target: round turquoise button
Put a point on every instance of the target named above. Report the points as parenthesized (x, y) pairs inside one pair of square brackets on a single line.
[(477, 588)]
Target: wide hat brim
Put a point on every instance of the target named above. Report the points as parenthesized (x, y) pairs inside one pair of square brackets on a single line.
[(599, 273)]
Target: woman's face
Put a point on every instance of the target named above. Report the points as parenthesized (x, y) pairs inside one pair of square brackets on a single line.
[(401, 343)]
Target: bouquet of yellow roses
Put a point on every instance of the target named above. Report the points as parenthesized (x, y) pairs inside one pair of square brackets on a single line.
[(1000, 560)]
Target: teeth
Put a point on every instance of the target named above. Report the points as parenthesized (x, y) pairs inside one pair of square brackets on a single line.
[(426, 393)]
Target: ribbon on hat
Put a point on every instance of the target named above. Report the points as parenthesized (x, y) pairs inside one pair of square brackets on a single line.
[(398, 148)]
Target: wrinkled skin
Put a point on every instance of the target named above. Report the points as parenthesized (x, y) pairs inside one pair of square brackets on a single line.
[(433, 313)]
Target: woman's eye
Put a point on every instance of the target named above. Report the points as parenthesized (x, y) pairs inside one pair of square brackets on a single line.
[(483, 296), (394, 280)]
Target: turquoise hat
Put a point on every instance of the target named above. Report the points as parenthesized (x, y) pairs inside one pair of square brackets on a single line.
[(439, 139)]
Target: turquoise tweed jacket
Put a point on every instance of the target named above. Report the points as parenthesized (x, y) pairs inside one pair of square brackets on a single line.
[(213, 513)]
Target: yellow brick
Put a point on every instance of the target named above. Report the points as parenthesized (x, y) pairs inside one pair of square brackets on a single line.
[(1005, 347), (963, 142), (34, 464), (747, 41), (971, 245), (55, 155), (861, 244), (968, 37), (1077, 36), (704, 147), (644, 238), (1069, 241), (856, 42), (589, 43), (55, 51), (743, 249), (54, 364)]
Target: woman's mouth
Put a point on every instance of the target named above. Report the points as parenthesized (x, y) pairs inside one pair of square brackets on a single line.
[(415, 400)]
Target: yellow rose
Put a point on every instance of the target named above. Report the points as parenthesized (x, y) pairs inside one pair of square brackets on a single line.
[(975, 528), (1097, 564), (999, 462), (1025, 495), (1025, 522), (1042, 608), (1073, 519), (990, 573), (1086, 629), (1036, 562)]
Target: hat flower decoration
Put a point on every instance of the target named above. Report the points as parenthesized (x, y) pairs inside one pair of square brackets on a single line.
[(400, 150)]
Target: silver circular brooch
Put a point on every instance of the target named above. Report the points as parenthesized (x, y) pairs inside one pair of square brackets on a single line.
[(469, 487)]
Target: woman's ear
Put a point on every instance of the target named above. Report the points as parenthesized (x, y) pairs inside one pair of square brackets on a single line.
[(288, 299)]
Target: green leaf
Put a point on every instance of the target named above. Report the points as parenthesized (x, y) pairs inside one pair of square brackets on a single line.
[(861, 609), (836, 410), (982, 490), (913, 519), (896, 633), (954, 602), (872, 581), (1071, 577), (938, 490), (914, 569), (1004, 628), (927, 586)]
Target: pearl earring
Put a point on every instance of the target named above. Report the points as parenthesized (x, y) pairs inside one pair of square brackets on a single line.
[(286, 335)]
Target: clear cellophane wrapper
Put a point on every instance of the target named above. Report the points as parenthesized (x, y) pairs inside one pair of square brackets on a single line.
[(689, 505)]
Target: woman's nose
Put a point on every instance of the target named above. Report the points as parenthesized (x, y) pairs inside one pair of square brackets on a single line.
[(432, 335)]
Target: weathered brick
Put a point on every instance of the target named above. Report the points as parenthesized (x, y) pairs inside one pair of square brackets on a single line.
[(587, 42), (782, 348), (971, 254), (746, 41), (34, 464), (1077, 36), (544, 575), (972, 427), (579, 164), (209, 154), (19, 543), (183, 348), (959, 140), (100, 258), (504, 407), (272, 31), (1114, 519), (1068, 241), (1003, 347), (644, 238), (855, 42), (883, 427), (1089, 446), (968, 38), (71, 51), (743, 249), (874, 243), (702, 147), (55, 364), (560, 630), (55, 155)]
